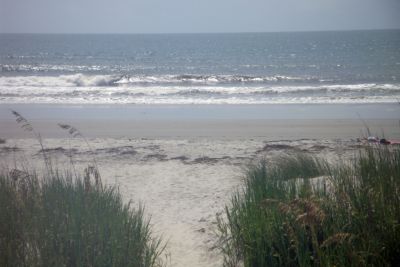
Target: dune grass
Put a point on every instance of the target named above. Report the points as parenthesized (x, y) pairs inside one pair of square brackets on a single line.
[(63, 219), (348, 217), (60, 220)]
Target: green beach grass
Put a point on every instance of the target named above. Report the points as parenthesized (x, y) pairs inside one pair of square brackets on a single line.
[(348, 216), (67, 219), (61, 220)]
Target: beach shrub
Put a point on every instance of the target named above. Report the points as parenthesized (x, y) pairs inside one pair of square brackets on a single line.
[(348, 215), (61, 220)]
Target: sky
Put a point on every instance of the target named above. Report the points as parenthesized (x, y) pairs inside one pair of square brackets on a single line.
[(195, 16)]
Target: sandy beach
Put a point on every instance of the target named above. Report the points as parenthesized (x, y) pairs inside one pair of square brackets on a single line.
[(184, 161)]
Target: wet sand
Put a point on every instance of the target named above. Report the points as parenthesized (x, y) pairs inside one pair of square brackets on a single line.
[(272, 122)]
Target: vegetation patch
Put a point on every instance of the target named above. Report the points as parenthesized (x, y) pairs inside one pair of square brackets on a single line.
[(61, 220), (348, 215)]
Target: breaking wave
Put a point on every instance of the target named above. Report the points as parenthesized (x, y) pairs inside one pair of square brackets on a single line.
[(187, 89), (77, 80)]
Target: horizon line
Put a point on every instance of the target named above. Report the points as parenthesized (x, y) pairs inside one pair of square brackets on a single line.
[(217, 32)]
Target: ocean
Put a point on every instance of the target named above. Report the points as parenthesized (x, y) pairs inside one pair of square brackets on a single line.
[(240, 68)]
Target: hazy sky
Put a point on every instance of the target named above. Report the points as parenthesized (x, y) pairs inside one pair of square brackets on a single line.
[(177, 16)]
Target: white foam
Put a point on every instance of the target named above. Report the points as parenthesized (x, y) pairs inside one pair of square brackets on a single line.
[(58, 81), (105, 89), (80, 79), (96, 99)]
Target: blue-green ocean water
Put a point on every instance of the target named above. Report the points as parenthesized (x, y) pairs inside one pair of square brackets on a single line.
[(243, 68)]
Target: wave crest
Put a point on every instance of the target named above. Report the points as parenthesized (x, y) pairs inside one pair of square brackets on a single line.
[(79, 80), (185, 89)]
